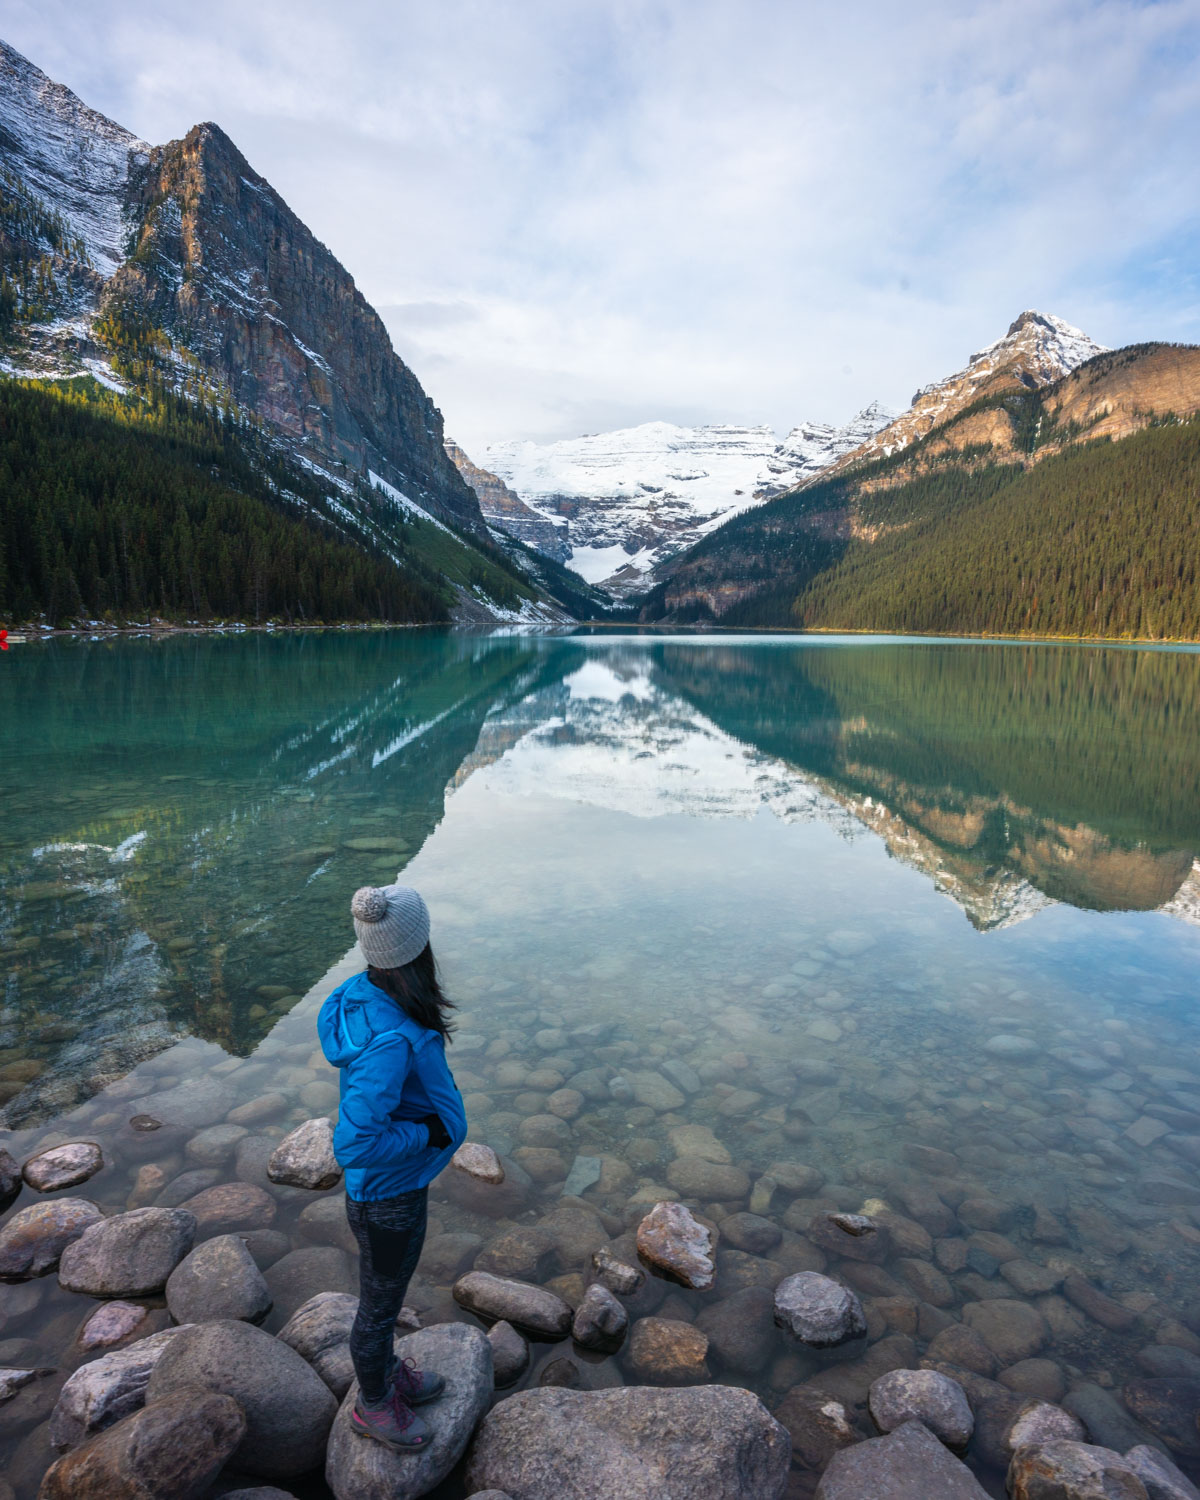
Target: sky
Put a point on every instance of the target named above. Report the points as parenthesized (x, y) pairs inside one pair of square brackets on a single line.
[(575, 215)]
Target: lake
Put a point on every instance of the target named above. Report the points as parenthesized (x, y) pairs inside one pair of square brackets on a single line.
[(771, 924)]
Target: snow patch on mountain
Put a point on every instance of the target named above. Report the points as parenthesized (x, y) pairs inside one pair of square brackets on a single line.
[(634, 497), (75, 159)]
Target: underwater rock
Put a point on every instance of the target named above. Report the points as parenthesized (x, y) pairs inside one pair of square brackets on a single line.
[(34, 1239), (63, 1166)]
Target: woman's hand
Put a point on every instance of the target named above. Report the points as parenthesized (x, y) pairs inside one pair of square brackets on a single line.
[(439, 1137)]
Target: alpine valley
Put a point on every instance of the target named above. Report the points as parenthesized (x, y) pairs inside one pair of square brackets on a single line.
[(202, 420)]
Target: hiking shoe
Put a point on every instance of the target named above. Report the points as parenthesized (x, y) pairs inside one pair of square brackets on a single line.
[(392, 1423), (416, 1386)]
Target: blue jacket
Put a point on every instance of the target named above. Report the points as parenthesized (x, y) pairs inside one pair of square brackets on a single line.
[(393, 1071)]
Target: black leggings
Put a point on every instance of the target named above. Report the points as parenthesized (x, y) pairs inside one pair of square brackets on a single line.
[(390, 1234)]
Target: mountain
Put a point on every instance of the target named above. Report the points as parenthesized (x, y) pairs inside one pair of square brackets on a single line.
[(179, 270), (1036, 351), (631, 499), (1013, 497), (505, 511)]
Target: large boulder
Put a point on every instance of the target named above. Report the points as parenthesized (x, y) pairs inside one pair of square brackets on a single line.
[(711, 1442), (1064, 1470), (219, 1279), (319, 1332), (298, 1276), (305, 1158), (103, 1391), (359, 1469), (129, 1255), (818, 1311), (533, 1309), (908, 1464), (172, 1450), (289, 1409), (33, 1240), (63, 1166)]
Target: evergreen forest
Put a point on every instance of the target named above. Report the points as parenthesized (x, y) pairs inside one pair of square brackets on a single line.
[(119, 508), (1102, 539)]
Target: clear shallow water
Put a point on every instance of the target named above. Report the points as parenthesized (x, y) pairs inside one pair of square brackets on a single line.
[(809, 880)]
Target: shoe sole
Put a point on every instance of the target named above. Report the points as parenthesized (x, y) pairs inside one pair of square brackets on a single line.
[(387, 1442)]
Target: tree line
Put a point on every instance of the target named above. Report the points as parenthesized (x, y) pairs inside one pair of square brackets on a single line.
[(118, 508)]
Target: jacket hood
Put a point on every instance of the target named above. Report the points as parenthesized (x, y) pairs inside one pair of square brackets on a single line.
[(354, 1015)]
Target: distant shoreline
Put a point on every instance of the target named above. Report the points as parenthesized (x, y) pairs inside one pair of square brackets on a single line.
[(713, 628), (30, 635)]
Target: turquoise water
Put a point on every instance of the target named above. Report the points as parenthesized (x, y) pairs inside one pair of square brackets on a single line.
[(812, 880)]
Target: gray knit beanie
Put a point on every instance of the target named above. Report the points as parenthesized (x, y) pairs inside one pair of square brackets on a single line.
[(392, 923)]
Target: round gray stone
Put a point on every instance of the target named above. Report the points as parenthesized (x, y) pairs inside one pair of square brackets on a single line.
[(925, 1396), (358, 1469), (289, 1409), (818, 1311), (129, 1255), (218, 1279)]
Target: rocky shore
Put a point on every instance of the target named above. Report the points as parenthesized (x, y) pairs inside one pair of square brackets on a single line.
[(196, 1399), (673, 1273)]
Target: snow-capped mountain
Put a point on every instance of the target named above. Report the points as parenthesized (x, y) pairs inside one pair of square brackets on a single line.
[(635, 497), (1037, 350)]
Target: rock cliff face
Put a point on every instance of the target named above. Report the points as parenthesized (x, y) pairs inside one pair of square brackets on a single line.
[(505, 510), (185, 250)]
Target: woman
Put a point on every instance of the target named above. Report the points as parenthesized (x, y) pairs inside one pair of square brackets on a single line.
[(400, 1120)]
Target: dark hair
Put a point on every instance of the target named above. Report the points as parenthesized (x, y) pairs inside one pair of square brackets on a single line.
[(415, 989)]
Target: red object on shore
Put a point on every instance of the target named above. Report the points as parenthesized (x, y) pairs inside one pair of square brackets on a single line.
[(3, 640)]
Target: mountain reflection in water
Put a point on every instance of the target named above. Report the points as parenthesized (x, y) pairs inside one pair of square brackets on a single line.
[(184, 821)]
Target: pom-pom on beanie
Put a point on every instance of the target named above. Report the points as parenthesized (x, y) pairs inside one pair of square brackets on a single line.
[(392, 923)]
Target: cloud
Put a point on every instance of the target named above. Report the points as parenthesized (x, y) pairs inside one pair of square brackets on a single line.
[(622, 210)]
